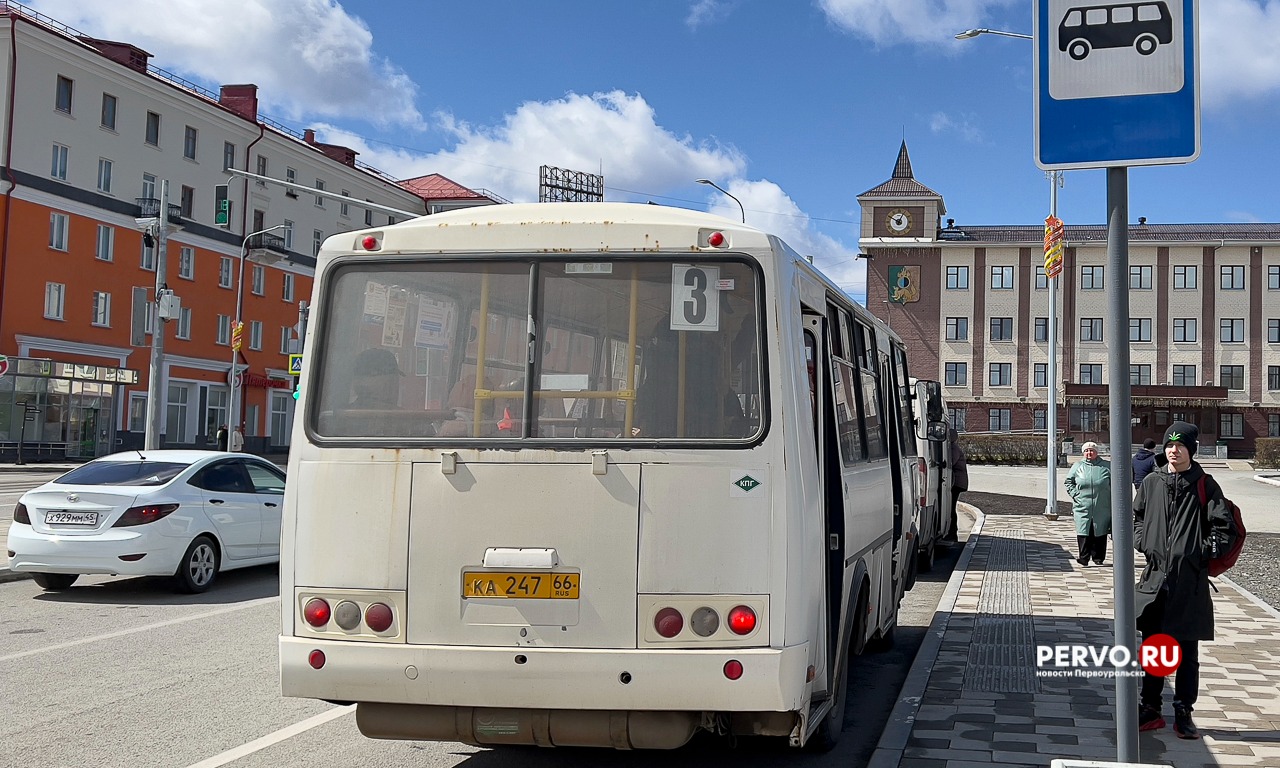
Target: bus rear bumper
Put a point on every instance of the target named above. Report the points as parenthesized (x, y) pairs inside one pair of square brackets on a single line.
[(581, 697)]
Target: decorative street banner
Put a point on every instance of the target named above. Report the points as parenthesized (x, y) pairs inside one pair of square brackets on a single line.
[(904, 284), (1053, 231)]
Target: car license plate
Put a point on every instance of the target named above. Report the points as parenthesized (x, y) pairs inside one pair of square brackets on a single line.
[(71, 518), (529, 585)]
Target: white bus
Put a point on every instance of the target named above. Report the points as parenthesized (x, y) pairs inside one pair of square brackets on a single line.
[(590, 474)]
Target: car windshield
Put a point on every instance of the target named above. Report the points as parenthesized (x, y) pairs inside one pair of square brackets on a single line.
[(123, 473)]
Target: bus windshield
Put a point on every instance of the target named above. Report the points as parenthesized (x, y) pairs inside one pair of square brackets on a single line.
[(539, 349)]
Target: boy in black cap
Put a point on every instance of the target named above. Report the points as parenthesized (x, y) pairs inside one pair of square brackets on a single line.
[(1171, 528)]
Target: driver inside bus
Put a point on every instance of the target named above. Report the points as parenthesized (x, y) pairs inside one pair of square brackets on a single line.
[(375, 382), (712, 408)]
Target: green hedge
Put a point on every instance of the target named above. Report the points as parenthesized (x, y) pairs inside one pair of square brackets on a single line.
[(1267, 452), (1004, 449)]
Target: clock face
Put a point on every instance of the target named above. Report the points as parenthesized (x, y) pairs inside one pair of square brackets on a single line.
[(898, 221)]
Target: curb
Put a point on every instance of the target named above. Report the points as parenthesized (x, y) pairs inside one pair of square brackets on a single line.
[(897, 732), (1268, 479), (8, 575)]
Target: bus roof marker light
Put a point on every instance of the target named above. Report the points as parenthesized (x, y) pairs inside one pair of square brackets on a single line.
[(715, 239), (370, 243)]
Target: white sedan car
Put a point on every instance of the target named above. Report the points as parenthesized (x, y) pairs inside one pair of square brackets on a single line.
[(186, 514)]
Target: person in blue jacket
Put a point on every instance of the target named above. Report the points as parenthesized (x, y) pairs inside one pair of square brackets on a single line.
[(1089, 485), (1144, 461)]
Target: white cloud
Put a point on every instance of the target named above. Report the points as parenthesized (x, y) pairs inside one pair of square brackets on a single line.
[(886, 22), (707, 12), (1239, 58), (310, 58), (964, 126)]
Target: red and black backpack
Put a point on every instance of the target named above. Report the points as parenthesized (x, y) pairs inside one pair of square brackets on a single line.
[(1221, 557)]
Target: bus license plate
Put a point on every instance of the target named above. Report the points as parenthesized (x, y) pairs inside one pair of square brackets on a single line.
[(71, 518), (529, 585)]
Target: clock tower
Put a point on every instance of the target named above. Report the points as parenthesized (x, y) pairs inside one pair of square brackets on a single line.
[(900, 211)]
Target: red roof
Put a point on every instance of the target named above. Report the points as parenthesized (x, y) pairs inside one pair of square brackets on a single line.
[(436, 187)]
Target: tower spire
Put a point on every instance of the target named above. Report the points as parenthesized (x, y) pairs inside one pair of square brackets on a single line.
[(902, 169)]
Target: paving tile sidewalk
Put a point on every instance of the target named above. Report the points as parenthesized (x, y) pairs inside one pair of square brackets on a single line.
[(973, 697)]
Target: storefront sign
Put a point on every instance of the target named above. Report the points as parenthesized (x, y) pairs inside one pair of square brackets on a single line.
[(254, 380)]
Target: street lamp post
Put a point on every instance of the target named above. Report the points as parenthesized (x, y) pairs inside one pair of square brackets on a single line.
[(722, 189), (233, 405), (972, 33)]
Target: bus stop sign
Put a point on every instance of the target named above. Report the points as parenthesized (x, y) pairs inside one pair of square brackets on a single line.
[(1116, 83)]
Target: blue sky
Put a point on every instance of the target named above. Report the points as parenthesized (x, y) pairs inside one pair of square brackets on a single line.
[(795, 107)]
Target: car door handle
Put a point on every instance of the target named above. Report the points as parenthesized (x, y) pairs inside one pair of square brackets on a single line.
[(215, 501), (270, 503)]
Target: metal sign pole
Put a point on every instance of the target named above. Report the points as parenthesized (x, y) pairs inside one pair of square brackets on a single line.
[(156, 395)]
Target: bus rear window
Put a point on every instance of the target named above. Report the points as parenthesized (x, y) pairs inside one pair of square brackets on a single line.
[(608, 350)]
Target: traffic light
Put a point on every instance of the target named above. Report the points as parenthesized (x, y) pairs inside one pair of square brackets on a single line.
[(222, 215), (297, 382)]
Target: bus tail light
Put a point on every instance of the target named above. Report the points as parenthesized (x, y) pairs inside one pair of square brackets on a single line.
[(704, 622), (742, 620), (668, 622), (378, 617), (733, 669), (316, 659), (316, 612)]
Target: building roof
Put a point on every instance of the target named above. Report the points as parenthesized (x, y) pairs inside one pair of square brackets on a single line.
[(903, 182), (433, 186), (1080, 234)]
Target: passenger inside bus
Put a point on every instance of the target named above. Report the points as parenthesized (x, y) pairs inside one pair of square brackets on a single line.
[(375, 381), (711, 405)]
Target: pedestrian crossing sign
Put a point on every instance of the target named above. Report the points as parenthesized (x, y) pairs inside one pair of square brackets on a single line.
[(295, 365)]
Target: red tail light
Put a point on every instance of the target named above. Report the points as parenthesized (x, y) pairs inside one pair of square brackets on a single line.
[(148, 513), (20, 514), (668, 622), (742, 620), (733, 669), (316, 612), (316, 659), (378, 617), (923, 469)]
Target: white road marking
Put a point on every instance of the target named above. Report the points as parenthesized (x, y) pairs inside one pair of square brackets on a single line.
[(144, 628), (288, 732)]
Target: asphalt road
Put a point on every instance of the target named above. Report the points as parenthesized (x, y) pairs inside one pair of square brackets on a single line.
[(124, 672)]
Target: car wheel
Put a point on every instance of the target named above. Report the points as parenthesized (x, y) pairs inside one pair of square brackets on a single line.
[(55, 582), (1078, 49), (199, 566)]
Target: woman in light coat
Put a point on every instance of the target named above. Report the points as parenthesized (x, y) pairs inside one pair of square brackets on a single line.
[(1089, 485)]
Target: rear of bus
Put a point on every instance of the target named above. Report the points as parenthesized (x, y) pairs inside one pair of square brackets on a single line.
[(536, 496)]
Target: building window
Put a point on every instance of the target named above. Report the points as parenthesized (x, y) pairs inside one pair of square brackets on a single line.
[(259, 279), (58, 168), (106, 246), (1086, 420), (1231, 425), (62, 100), (255, 334), (224, 330), (368, 222), (148, 187), (1041, 376), (286, 339), (58, 226), (224, 272), (1002, 278), (1002, 329), (288, 234), (1140, 374), (187, 263), (189, 137), (1039, 420), (1273, 331), (1042, 278), (1231, 278), (1042, 329), (1091, 329), (148, 257), (1273, 278), (1091, 278), (102, 309), (344, 208), (1184, 376), (317, 240), (1140, 278), (1000, 374), (957, 277), (104, 175), (957, 374), (957, 418), (1139, 329), (1184, 329), (1185, 278), (1273, 377), (1091, 373), (957, 328), (55, 295), (1231, 376), (287, 292), (999, 420), (391, 220), (153, 129), (228, 155), (290, 176), (188, 202), (262, 171), (1231, 330), (1273, 425), (108, 112), (320, 198), (184, 323)]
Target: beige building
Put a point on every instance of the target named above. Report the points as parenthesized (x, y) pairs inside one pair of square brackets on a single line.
[(972, 302)]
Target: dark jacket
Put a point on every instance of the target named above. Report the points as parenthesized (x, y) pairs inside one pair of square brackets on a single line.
[(1171, 529), (1144, 462), (959, 464)]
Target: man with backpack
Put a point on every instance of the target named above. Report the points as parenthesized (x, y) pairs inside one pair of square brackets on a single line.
[(1181, 522)]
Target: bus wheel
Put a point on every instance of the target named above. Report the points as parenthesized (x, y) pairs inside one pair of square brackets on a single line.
[(912, 566), (927, 555), (1146, 44), (827, 735), (1078, 49)]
